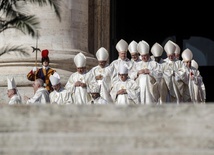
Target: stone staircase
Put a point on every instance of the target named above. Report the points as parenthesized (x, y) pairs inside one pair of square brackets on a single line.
[(184, 129)]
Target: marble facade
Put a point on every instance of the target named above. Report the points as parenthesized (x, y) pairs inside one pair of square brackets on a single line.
[(80, 30)]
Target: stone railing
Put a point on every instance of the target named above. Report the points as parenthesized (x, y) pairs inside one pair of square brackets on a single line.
[(184, 129)]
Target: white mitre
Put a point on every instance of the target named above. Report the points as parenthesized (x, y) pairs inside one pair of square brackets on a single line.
[(102, 54), (143, 47), (177, 48), (157, 50), (122, 46), (55, 79), (80, 60), (194, 64), (133, 47), (122, 69), (11, 83), (169, 47), (187, 55), (94, 88)]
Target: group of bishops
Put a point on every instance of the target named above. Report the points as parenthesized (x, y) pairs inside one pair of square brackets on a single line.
[(145, 78)]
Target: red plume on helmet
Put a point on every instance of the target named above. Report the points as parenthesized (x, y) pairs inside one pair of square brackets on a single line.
[(44, 54)]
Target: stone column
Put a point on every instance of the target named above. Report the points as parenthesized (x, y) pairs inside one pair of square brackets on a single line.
[(99, 24), (63, 40)]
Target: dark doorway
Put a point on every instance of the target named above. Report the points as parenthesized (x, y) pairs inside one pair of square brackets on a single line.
[(153, 22)]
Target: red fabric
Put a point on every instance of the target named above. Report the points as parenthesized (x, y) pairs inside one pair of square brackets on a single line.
[(31, 76), (45, 53)]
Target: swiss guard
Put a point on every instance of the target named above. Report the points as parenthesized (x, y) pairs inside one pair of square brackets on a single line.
[(44, 72)]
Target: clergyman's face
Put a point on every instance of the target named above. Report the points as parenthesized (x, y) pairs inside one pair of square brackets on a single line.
[(135, 56), (157, 59), (171, 57), (145, 57), (102, 64), (95, 95), (123, 55), (10, 93), (56, 87), (123, 77), (187, 63), (177, 56), (81, 70)]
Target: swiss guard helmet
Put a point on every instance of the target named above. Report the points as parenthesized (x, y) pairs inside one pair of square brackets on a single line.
[(45, 57)]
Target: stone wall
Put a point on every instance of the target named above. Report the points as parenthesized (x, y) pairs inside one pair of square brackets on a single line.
[(171, 129), (64, 39)]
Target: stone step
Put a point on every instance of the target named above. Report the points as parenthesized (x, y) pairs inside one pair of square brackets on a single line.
[(107, 129)]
